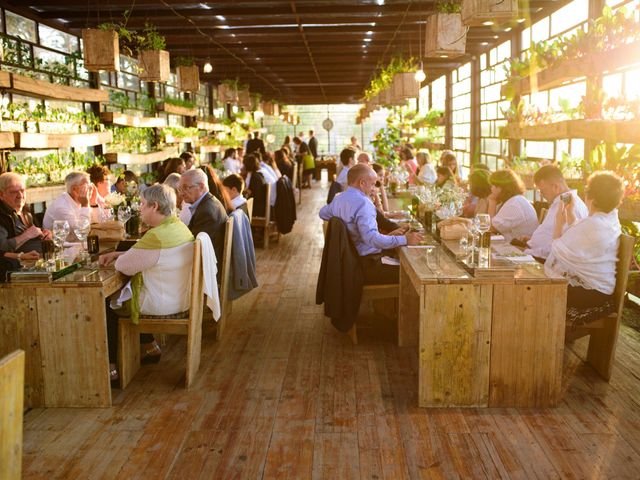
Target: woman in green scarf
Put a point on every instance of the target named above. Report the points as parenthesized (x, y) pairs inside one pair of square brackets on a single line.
[(160, 267)]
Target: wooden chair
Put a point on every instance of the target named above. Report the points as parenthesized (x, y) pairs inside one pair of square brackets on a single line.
[(250, 208), (268, 226), (370, 293), (11, 408), (603, 332), (225, 278), (189, 325)]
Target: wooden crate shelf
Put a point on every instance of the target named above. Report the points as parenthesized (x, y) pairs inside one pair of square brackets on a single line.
[(610, 131), (173, 140), (209, 148), (115, 118), (210, 126), (63, 140), (44, 194), (141, 158), (568, 70), (177, 110), (7, 140), (47, 90)]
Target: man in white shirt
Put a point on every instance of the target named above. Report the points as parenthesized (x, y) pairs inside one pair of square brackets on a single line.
[(72, 204), (553, 187), (231, 162), (347, 159)]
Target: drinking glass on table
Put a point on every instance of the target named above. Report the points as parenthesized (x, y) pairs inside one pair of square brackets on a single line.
[(60, 232), (81, 230), (124, 214), (484, 225)]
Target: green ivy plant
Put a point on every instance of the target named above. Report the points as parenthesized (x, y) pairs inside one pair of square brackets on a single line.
[(150, 39), (448, 6), (179, 102), (384, 76), (185, 61), (131, 139)]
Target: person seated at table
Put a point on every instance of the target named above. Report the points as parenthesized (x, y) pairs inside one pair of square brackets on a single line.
[(17, 231), (160, 264), (512, 215), (173, 165), (189, 160), (256, 185), (182, 207), (215, 187), (585, 252), (308, 164), (10, 262), (99, 177), (347, 160), (426, 172), (364, 157), (207, 213), (354, 145), (409, 163), (552, 185), (379, 195), (72, 204), (479, 191), (270, 175), (355, 208), (444, 176), (284, 164), (268, 163), (123, 180), (448, 159), (234, 186), (231, 162)]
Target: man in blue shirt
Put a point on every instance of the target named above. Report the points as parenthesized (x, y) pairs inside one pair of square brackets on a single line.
[(355, 208)]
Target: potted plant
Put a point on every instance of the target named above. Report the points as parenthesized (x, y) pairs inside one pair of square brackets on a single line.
[(102, 45), (244, 97), (476, 13), (445, 34), (228, 91), (153, 59), (188, 75)]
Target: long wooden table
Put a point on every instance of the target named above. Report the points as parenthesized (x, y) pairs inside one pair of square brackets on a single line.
[(483, 342), (62, 328)]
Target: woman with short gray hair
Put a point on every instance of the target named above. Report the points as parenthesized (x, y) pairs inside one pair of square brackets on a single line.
[(165, 251)]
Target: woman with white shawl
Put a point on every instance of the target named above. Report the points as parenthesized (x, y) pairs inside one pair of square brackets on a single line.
[(586, 253)]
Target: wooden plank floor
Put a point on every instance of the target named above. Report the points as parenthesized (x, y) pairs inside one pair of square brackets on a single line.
[(286, 396)]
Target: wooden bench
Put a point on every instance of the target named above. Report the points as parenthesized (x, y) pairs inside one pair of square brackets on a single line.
[(11, 408), (191, 326)]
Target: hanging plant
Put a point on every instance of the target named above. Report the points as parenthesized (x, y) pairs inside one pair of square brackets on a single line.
[(153, 59), (188, 74), (384, 78), (445, 35)]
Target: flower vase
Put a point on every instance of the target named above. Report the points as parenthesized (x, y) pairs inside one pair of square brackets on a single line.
[(133, 226)]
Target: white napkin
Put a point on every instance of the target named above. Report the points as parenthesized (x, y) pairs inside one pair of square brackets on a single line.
[(390, 261)]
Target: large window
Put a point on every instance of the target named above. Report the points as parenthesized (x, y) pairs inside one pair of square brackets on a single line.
[(461, 116)]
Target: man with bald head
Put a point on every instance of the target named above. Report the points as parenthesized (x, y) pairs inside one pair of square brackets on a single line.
[(365, 158), (355, 208)]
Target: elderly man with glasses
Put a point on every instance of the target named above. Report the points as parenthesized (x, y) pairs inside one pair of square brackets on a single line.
[(207, 213), (17, 231)]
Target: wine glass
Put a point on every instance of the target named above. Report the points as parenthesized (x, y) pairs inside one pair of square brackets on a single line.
[(60, 232), (124, 214), (81, 230)]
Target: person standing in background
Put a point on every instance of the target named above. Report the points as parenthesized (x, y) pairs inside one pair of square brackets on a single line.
[(313, 144)]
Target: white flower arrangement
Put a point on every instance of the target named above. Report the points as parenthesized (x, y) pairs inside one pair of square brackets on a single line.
[(114, 199)]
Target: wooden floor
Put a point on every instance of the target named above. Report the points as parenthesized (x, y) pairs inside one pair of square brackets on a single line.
[(286, 396)]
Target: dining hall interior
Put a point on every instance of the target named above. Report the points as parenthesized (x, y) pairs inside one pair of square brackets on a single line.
[(319, 239)]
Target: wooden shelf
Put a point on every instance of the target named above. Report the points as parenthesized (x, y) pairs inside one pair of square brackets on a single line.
[(610, 131), (564, 71), (210, 126), (7, 140), (47, 90), (62, 140), (44, 194), (176, 110), (173, 140), (141, 158), (209, 149), (115, 118)]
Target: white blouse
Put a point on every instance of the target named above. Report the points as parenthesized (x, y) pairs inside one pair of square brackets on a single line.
[(586, 254), (516, 218), (427, 174)]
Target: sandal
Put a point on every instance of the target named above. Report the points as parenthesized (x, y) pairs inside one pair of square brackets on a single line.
[(151, 354)]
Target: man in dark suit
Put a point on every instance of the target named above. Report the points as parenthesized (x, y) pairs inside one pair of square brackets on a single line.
[(207, 213), (313, 144), (256, 144)]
